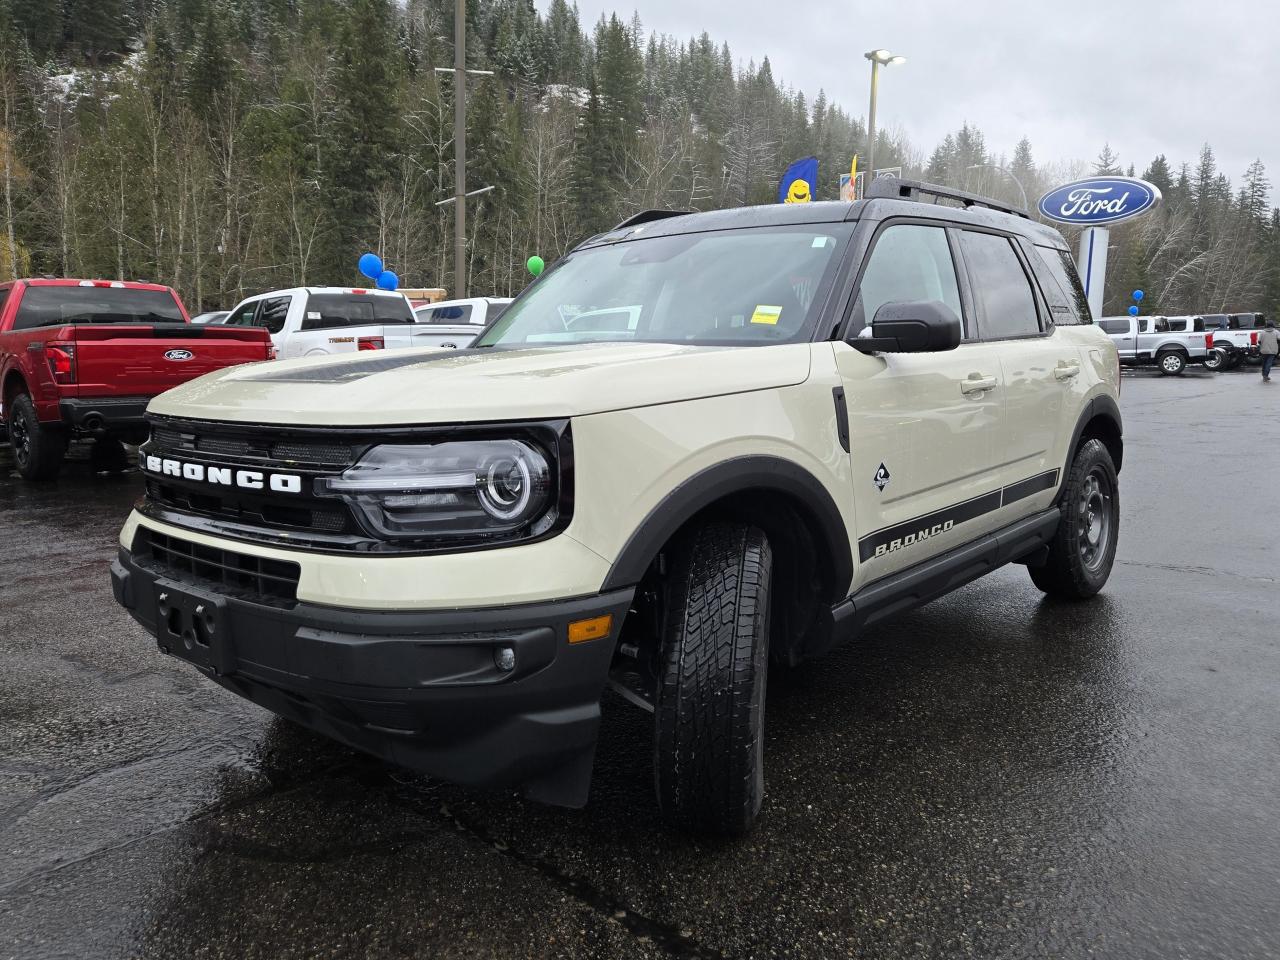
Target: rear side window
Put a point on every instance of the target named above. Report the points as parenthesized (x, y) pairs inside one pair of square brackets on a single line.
[(909, 262), (1006, 303), (1177, 326), (1114, 326), (274, 313), (327, 311), (52, 306), (1056, 273), (457, 313), (1162, 325)]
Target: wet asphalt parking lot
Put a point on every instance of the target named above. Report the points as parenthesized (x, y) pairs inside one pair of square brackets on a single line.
[(992, 776)]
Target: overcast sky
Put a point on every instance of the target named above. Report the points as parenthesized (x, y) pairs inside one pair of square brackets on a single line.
[(1148, 76)]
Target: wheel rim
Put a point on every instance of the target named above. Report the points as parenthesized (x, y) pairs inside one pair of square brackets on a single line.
[(20, 437), (1215, 360), (1171, 364), (1093, 518)]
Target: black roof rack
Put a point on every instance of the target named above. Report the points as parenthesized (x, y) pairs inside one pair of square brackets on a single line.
[(893, 187), (648, 216)]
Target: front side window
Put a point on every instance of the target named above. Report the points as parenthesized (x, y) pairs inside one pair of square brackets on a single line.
[(910, 262), (243, 315), (1005, 302), (751, 286), (46, 306), (274, 313)]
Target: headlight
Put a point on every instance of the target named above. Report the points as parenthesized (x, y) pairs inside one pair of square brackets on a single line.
[(454, 490)]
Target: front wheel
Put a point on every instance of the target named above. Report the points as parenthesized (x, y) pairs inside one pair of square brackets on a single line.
[(1171, 364), (709, 714), (38, 449), (1083, 548)]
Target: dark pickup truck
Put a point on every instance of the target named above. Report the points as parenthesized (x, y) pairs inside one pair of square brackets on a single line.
[(82, 358)]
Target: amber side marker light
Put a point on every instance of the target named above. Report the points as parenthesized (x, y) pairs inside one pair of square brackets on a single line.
[(580, 631)]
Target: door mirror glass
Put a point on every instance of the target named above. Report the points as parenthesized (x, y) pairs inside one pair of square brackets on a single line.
[(916, 326)]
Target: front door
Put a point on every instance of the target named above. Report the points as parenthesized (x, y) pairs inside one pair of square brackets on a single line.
[(923, 428)]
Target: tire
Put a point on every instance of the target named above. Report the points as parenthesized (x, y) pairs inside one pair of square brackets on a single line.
[(1234, 359), (709, 711), (37, 449), (1217, 360), (1171, 364), (1083, 549), (107, 455)]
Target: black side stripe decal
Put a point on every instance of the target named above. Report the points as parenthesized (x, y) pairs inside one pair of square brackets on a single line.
[(933, 524)]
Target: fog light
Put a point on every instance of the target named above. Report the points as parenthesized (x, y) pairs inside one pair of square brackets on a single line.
[(505, 658)]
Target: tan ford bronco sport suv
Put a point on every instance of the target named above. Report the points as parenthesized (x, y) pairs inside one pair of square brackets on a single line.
[(699, 445)]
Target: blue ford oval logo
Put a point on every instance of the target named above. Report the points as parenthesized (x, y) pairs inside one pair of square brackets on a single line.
[(178, 355), (1099, 200)]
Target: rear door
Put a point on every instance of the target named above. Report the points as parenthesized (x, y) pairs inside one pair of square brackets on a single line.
[(923, 428), (1042, 383)]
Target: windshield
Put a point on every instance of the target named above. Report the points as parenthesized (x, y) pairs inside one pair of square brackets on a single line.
[(44, 306), (748, 286)]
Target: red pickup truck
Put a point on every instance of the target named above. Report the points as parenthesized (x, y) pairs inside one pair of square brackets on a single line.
[(82, 358)]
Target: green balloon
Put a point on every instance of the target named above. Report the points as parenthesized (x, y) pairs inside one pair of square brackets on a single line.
[(536, 265)]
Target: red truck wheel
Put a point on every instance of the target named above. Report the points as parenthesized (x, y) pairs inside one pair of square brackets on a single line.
[(37, 449)]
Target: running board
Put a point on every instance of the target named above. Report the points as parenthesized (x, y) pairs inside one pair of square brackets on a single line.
[(916, 586)]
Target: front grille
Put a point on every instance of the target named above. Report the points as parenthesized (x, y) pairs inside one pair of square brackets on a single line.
[(238, 509), (245, 442), (240, 575), (221, 503)]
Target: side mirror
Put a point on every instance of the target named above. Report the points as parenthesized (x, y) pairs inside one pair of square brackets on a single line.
[(918, 326)]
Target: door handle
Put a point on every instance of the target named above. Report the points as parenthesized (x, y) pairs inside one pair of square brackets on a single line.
[(1065, 371), (976, 384)]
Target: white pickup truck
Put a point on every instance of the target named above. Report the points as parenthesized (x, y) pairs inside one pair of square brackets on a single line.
[(311, 321), (1235, 338), (455, 323), (1168, 343)]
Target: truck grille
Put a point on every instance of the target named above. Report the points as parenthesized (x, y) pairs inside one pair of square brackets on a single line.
[(241, 575), (257, 514), (215, 441)]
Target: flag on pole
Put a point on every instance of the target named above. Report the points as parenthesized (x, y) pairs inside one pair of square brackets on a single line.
[(798, 182)]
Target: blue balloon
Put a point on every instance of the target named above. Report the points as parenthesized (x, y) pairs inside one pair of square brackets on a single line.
[(1138, 294), (1133, 311), (388, 280), (371, 265)]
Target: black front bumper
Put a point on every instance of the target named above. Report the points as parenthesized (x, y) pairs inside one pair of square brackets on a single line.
[(423, 689)]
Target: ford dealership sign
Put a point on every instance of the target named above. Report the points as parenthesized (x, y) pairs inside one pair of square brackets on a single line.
[(1099, 200)]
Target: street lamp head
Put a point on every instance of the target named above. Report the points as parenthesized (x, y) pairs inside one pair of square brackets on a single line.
[(884, 57)]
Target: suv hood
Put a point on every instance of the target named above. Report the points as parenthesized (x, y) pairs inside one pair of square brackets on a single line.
[(420, 386)]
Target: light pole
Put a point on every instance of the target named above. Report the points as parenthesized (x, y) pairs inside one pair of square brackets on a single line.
[(878, 59), (1008, 173), (460, 194)]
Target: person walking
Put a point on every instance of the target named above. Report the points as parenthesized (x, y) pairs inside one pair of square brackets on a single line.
[(1268, 347)]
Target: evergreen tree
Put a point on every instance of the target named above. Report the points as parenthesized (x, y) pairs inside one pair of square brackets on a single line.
[(1108, 162), (98, 28), (1159, 174), (363, 134)]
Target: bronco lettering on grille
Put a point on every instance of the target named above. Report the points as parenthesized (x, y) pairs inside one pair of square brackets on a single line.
[(223, 476)]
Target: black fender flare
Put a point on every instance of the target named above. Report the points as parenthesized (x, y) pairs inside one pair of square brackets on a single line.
[(738, 475), (1103, 406)]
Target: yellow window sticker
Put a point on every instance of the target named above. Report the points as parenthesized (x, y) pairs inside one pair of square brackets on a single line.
[(765, 314)]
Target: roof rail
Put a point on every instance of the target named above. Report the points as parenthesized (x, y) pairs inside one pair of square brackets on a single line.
[(893, 187), (648, 216)]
